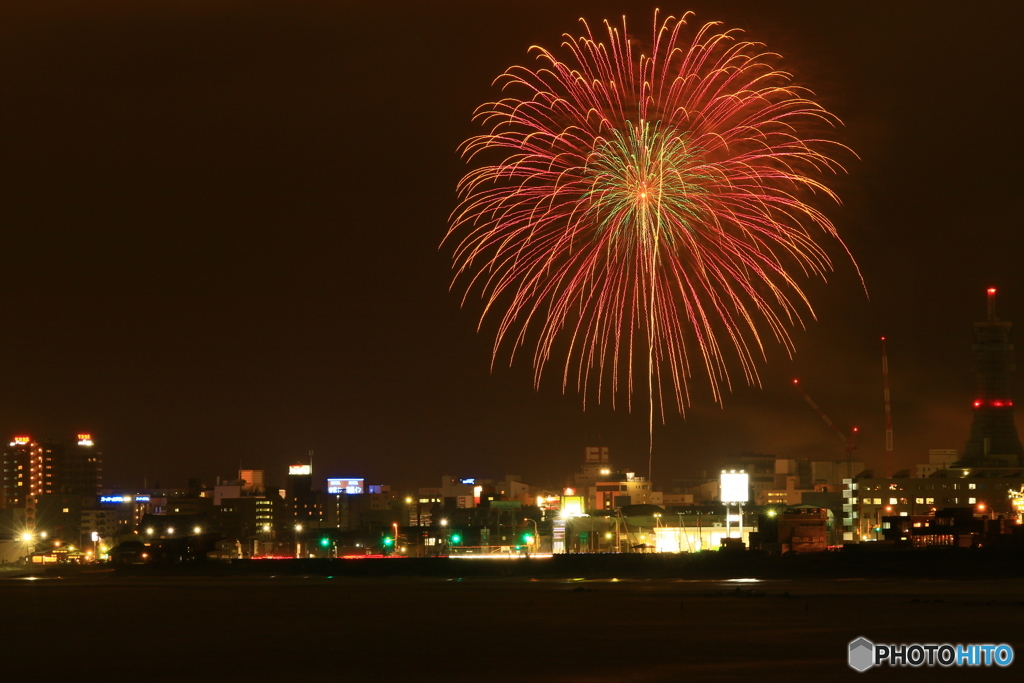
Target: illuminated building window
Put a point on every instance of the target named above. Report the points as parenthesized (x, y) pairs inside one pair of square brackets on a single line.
[(972, 501), (892, 501), (972, 486), (919, 501)]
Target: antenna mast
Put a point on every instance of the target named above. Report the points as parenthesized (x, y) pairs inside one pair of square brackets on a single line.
[(888, 413)]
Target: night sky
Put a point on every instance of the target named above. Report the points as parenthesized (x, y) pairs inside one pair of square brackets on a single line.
[(219, 225)]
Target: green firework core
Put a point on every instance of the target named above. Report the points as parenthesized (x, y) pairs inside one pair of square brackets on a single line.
[(646, 184)]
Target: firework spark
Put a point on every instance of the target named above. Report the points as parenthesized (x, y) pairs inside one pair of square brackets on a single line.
[(643, 210)]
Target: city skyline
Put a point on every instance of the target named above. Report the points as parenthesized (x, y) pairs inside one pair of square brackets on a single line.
[(221, 236)]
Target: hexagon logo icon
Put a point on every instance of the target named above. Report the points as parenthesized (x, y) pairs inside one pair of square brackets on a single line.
[(862, 654)]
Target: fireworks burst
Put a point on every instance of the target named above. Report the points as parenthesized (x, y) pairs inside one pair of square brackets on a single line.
[(642, 210)]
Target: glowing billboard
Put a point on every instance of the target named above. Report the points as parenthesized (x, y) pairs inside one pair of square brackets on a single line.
[(337, 485), (296, 470), (572, 506), (115, 499), (735, 487)]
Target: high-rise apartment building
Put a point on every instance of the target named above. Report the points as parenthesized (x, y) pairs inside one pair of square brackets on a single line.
[(32, 469)]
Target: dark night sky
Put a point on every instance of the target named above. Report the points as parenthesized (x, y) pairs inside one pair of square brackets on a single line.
[(219, 225)]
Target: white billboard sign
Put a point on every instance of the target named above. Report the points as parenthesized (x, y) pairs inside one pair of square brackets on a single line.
[(735, 487)]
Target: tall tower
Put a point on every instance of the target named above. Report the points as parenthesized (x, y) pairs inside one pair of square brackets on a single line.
[(993, 439)]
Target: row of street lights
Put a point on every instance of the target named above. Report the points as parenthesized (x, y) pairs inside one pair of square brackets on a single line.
[(196, 531)]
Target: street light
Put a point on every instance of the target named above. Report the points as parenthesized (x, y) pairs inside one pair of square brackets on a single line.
[(28, 538), (536, 534), (298, 541), (408, 512), (878, 520), (444, 531)]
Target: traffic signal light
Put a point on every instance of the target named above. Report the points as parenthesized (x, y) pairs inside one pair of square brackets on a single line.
[(528, 539), (456, 538), (324, 542), (388, 540)]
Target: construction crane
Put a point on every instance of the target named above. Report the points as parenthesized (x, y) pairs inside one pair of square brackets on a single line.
[(849, 441), (888, 413)]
